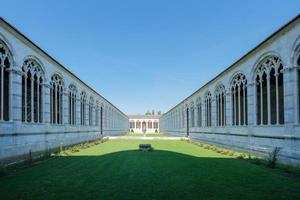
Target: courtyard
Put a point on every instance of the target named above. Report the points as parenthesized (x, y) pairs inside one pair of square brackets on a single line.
[(116, 169)]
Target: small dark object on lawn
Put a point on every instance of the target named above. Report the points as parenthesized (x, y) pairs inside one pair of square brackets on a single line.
[(145, 147)]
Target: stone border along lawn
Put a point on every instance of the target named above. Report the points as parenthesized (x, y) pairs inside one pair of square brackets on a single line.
[(174, 170)]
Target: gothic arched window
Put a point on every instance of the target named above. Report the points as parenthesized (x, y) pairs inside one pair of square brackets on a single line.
[(207, 100), (5, 64), (269, 91), (91, 111), (297, 62), (220, 95), (239, 100), (56, 102), (97, 110), (72, 104), (32, 84), (192, 114), (199, 112), (183, 117), (83, 108)]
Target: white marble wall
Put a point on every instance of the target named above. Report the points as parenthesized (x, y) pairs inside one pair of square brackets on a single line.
[(17, 138), (283, 44)]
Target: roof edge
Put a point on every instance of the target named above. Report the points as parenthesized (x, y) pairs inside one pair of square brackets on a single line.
[(55, 61), (240, 59)]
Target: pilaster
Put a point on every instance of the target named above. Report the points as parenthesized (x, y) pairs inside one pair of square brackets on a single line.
[(213, 112), (251, 103), (46, 103), (65, 108), (15, 95), (290, 91), (228, 109)]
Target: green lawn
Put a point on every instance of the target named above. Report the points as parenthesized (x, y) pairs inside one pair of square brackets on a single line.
[(174, 170)]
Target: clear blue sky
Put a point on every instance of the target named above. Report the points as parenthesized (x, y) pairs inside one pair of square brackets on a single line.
[(147, 54)]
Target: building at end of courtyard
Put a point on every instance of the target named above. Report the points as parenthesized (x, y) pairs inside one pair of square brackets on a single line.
[(144, 123)]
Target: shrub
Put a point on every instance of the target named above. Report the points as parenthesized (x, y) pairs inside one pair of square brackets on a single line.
[(272, 159), (74, 150)]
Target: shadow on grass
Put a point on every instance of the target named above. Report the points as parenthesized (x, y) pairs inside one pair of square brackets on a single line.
[(147, 175)]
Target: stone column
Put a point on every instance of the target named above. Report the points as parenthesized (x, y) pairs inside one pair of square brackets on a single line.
[(15, 95)]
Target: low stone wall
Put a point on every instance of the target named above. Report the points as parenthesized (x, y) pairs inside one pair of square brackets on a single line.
[(255, 145), (18, 147)]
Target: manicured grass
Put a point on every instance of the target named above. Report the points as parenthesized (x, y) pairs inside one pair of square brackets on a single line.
[(174, 170)]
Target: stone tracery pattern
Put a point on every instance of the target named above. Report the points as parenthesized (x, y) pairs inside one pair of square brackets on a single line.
[(56, 99), (83, 108), (192, 114), (208, 113), (72, 104), (269, 91), (239, 100), (199, 112), (32, 88), (91, 111), (5, 64), (220, 95)]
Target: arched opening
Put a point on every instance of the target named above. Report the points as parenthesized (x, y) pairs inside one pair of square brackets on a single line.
[(91, 110), (269, 91), (199, 113), (144, 127), (149, 124), (97, 110), (183, 117), (56, 101), (5, 62), (208, 109), (298, 74), (220, 95), (82, 108), (72, 104), (138, 124), (132, 125), (192, 114), (239, 100)]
